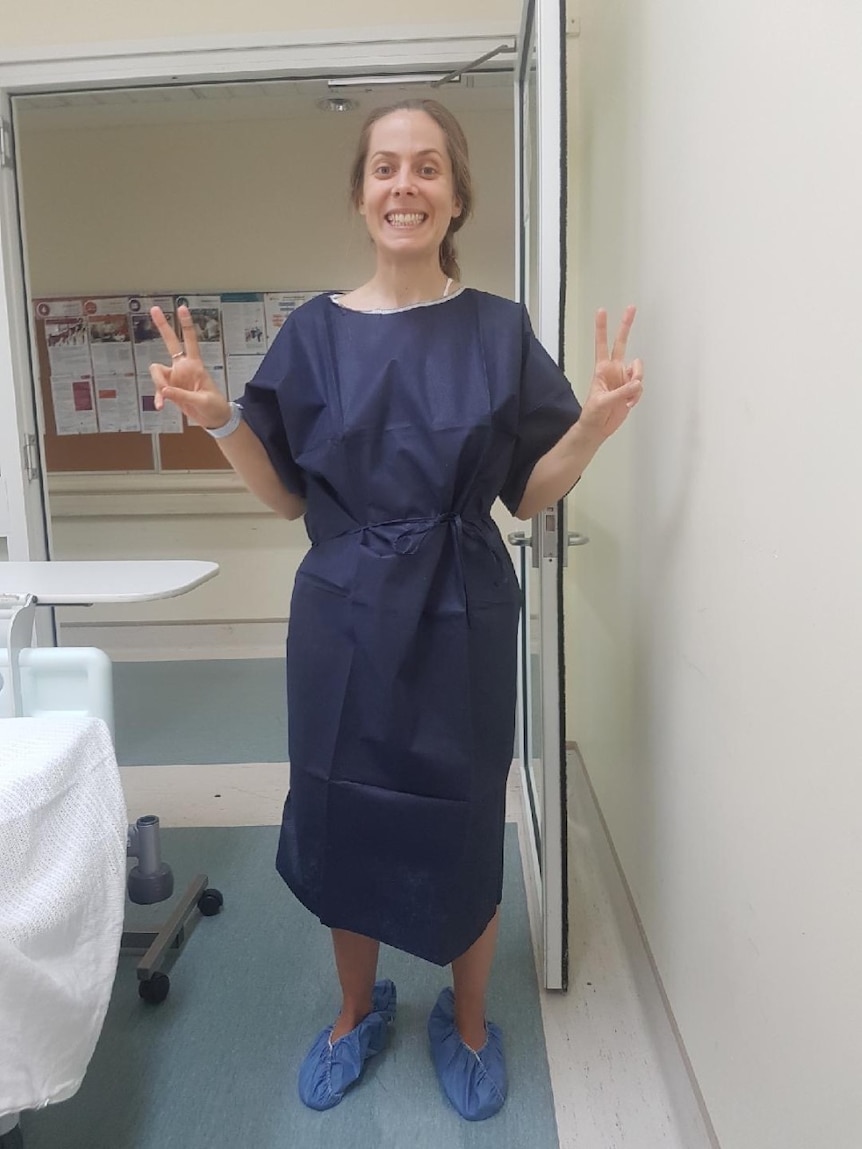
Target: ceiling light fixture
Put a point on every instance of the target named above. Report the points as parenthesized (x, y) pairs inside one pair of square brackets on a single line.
[(377, 81), (337, 104)]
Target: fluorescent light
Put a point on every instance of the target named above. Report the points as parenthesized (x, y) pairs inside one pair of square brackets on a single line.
[(374, 81)]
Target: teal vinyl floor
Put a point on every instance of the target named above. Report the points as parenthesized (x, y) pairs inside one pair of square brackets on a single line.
[(199, 712), (214, 1066), (206, 711)]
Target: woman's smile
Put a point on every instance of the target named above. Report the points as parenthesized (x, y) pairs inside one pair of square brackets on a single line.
[(405, 219)]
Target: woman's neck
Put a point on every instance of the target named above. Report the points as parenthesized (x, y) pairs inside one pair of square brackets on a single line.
[(400, 285)]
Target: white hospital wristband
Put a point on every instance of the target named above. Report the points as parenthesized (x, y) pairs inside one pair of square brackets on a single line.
[(230, 426)]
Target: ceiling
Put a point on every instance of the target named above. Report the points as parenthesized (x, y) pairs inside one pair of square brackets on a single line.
[(490, 90)]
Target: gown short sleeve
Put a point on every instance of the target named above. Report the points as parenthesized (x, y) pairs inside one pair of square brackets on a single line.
[(262, 411), (548, 408)]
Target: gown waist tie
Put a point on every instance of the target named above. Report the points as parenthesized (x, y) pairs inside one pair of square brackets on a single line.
[(416, 531)]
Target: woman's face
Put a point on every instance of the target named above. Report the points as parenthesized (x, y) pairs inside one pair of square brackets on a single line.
[(408, 196)]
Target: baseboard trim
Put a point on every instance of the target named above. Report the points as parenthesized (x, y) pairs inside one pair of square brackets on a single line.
[(166, 641), (677, 1068)]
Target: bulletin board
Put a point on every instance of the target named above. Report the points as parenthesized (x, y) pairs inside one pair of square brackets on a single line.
[(93, 355)]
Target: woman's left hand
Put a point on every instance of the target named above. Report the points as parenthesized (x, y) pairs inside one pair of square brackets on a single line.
[(616, 386)]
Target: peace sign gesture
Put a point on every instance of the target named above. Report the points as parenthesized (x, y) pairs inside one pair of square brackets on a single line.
[(616, 386), (186, 382)]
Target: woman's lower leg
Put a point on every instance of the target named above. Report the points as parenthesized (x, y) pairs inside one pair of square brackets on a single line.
[(470, 974), (356, 963)]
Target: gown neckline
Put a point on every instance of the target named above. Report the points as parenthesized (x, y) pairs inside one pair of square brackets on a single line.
[(397, 310)]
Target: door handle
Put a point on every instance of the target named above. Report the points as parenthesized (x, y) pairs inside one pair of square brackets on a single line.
[(573, 539), (519, 539)]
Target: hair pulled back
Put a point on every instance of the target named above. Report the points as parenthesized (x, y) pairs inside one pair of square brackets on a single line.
[(456, 145)]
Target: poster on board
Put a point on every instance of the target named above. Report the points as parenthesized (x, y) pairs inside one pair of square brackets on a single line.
[(244, 337), (279, 305), (148, 349), (206, 316), (110, 336)]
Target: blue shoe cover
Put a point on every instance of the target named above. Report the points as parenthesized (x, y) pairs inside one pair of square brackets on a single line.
[(474, 1082), (329, 1070)]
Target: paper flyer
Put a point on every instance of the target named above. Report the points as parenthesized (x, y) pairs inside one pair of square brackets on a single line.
[(244, 336), (149, 348), (117, 403), (66, 336), (241, 369), (74, 405), (110, 335), (243, 323), (278, 306), (206, 316)]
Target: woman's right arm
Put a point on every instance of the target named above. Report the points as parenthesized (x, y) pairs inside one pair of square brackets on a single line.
[(187, 384), (246, 454)]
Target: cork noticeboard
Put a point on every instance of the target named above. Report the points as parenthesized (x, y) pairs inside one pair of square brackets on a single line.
[(191, 450)]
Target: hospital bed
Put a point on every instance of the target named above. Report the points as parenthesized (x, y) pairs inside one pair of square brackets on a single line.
[(57, 743)]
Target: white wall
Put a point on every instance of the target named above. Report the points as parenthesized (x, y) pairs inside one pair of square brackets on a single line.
[(714, 629), (231, 194)]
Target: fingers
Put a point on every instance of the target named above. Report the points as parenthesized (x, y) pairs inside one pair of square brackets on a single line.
[(601, 335), (190, 337), (159, 376), (635, 370), (632, 392), (619, 351), (621, 341), (169, 336)]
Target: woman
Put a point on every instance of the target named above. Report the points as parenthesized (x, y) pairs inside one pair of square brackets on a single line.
[(392, 417)]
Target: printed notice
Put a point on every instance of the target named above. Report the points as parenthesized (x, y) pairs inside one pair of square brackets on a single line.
[(110, 336), (241, 369), (109, 332), (206, 316), (148, 349), (68, 345), (278, 306), (244, 334), (74, 405), (117, 403)]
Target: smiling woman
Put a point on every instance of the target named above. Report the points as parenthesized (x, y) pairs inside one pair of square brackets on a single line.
[(392, 417), (411, 176)]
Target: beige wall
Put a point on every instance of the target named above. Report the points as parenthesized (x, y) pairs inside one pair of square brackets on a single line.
[(714, 628), (234, 201), (58, 23)]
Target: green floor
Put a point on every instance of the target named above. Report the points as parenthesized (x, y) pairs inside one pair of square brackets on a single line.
[(214, 1066), (200, 712)]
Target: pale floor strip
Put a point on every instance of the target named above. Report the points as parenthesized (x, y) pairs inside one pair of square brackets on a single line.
[(616, 1072)]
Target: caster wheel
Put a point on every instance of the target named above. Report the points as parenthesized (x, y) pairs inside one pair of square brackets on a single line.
[(210, 903), (155, 989)]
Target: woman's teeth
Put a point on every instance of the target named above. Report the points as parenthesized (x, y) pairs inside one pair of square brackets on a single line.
[(405, 219)]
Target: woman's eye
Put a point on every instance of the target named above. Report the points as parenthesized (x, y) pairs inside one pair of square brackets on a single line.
[(428, 170), (382, 170)]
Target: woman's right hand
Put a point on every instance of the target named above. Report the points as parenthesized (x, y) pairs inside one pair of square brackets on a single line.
[(186, 382)]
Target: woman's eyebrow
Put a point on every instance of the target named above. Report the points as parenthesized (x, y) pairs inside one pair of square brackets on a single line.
[(394, 155)]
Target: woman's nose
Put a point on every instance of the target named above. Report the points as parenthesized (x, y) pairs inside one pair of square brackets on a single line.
[(404, 182)]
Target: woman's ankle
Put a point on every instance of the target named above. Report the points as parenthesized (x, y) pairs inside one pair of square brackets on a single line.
[(348, 1019)]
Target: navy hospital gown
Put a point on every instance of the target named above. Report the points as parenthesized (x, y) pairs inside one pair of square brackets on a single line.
[(401, 428)]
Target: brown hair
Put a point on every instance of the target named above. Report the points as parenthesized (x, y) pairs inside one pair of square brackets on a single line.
[(456, 145)]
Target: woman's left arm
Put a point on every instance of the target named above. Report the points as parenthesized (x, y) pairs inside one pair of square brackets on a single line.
[(616, 387)]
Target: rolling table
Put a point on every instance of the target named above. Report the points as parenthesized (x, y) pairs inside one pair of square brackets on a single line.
[(85, 583)]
